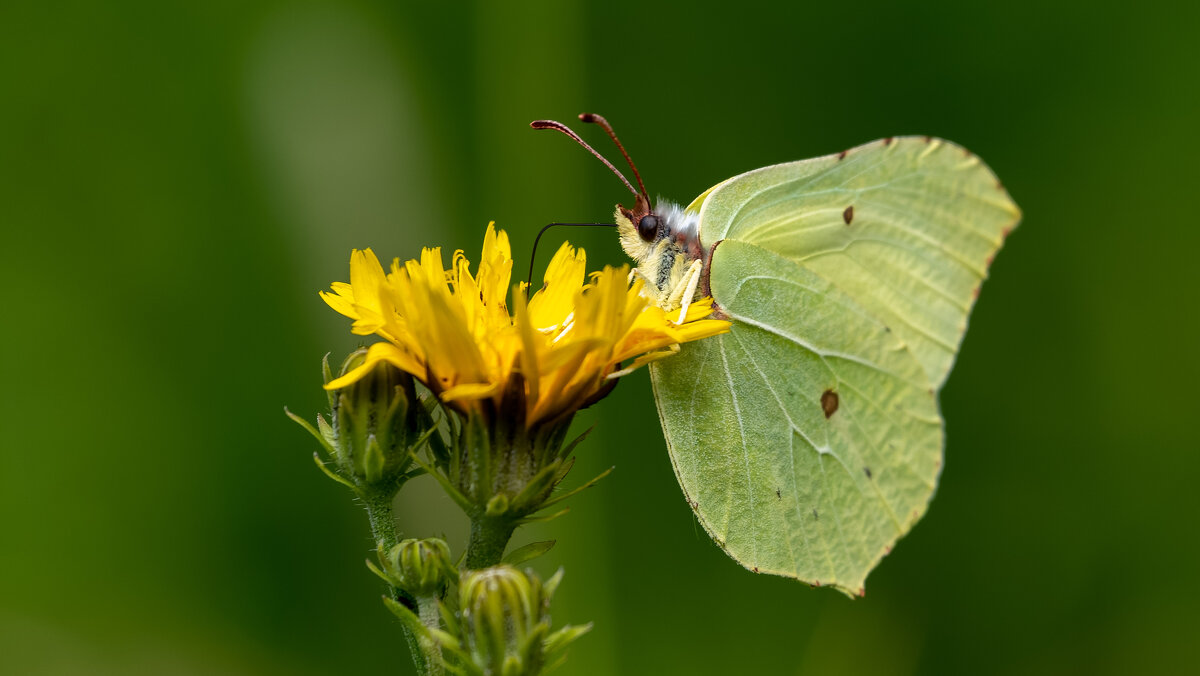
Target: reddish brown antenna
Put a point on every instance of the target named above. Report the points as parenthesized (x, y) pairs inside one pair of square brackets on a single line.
[(551, 124), (592, 118)]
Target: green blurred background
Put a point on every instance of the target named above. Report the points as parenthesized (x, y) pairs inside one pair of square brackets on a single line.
[(178, 180)]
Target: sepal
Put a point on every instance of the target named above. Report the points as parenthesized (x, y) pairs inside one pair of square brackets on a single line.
[(528, 552)]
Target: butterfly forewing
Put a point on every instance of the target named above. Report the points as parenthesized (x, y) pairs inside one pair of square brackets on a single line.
[(907, 227)]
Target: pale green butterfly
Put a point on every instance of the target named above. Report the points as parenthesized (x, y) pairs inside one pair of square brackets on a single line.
[(808, 439)]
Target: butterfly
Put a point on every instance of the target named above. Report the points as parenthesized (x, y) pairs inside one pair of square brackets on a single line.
[(809, 439)]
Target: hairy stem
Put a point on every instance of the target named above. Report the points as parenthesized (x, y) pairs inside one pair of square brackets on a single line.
[(489, 538), (427, 610), (425, 653), (383, 522)]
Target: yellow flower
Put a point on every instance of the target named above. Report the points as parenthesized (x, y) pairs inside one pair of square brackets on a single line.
[(455, 333)]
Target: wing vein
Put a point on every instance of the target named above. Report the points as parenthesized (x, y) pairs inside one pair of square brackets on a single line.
[(745, 451), (791, 450)]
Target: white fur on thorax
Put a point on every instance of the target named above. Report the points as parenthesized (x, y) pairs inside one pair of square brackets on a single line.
[(682, 225)]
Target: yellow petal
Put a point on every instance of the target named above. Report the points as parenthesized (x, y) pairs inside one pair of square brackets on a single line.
[(342, 300), (529, 346), (471, 391), (555, 301), (379, 352)]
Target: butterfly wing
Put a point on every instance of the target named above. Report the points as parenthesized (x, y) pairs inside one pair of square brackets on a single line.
[(808, 439)]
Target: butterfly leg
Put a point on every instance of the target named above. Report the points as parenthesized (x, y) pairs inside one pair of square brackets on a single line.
[(685, 290)]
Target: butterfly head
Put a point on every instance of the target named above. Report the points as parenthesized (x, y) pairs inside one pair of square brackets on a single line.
[(639, 228)]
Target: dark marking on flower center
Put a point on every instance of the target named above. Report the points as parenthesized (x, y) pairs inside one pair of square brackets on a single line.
[(829, 402), (848, 214)]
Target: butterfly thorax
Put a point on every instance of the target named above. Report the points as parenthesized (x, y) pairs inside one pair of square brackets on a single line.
[(665, 244)]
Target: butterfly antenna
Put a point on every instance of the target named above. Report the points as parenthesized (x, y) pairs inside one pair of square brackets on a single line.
[(551, 124), (592, 118), (533, 255)]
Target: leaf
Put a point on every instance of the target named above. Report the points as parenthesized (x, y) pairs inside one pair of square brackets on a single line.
[(528, 552)]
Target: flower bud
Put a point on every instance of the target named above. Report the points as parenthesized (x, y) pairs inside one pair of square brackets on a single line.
[(504, 622), (502, 611), (375, 423), (420, 567)]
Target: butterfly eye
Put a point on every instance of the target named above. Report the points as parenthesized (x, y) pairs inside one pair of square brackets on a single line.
[(648, 227)]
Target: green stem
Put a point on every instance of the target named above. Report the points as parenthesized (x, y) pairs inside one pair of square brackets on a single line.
[(425, 653), (383, 522), (427, 609), (489, 538)]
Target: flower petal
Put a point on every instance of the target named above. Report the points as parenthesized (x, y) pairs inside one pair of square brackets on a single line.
[(379, 352)]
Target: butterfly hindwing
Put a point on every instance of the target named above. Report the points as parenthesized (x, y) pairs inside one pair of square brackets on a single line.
[(783, 431)]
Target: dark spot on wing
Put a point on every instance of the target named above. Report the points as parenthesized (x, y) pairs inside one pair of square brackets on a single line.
[(848, 214), (888, 141), (861, 592), (829, 402), (756, 569), (867, 471), (929, 139), (842, 155), (815, 515), (815, 584), (778, 494)]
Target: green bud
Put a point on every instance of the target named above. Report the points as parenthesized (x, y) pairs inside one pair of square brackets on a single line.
[(504, 622), (373, 430), (375, 423), (420, 567)]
